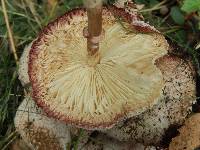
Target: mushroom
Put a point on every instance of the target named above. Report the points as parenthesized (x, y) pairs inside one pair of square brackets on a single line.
[(179, 92), (96, 91), (189, 137), (38, 131), (23, 66)]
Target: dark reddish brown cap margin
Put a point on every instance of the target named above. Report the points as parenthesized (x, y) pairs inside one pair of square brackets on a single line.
[(134, 22)]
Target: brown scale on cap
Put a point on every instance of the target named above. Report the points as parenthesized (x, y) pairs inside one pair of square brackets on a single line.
[(42, 139), (37, 130)]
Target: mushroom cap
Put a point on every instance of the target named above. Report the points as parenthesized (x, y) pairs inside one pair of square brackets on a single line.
[(179, 93), (23, 65), (39, 131), (125, 82), (189, 137)]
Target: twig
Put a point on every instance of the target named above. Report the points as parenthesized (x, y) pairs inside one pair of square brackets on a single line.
[(156, 7), (11, 39), (150, 9), (161, 3)]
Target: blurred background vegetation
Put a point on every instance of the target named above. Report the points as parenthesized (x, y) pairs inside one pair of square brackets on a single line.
[(178, 20)]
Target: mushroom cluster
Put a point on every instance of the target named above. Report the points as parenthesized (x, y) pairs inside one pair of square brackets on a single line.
[(133, 90)]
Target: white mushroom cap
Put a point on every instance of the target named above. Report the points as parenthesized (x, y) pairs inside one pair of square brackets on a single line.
[(178, 95), (39, 131), (23, 66), (70, 87), (189, 137)]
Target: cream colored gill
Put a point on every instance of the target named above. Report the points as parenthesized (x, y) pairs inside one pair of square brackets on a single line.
[(125, 76), (123, 47)]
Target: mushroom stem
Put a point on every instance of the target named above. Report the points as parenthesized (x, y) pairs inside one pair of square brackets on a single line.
[(94, 29)]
